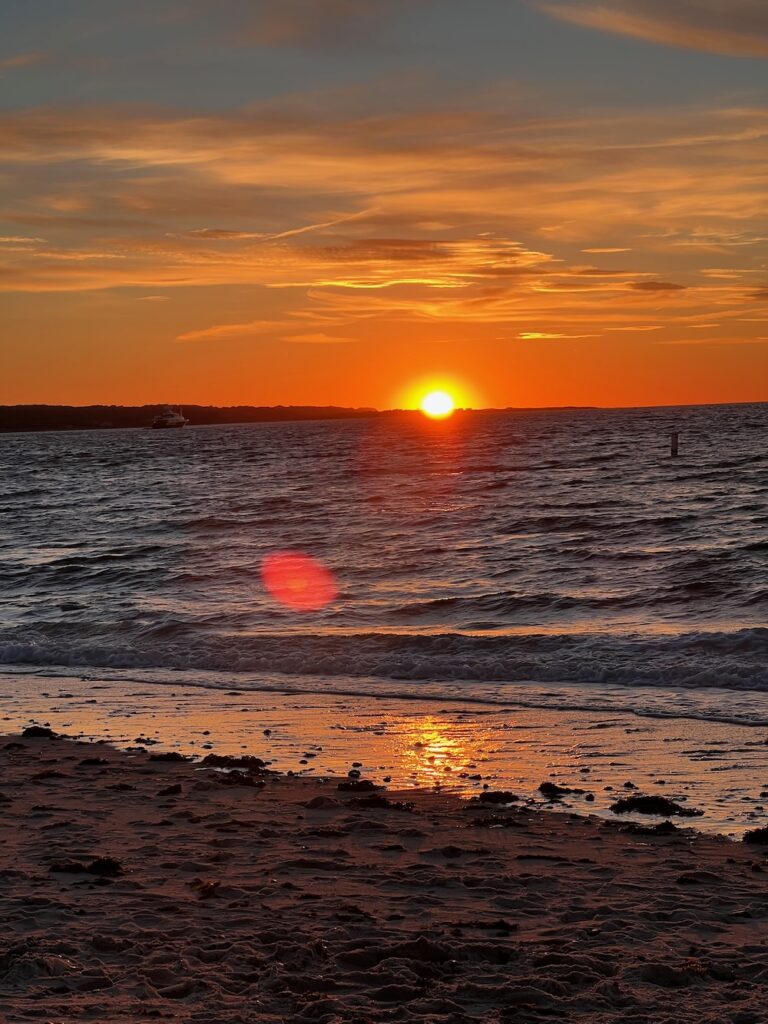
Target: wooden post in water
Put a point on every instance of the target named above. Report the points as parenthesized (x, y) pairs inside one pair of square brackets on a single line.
[(675, 443)]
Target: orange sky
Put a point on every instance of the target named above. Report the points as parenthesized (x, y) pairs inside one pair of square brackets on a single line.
[(355, 234)]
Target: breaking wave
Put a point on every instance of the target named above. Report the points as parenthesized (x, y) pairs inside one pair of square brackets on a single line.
[(737, 660)]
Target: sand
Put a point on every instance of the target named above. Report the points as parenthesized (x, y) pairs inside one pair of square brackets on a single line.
[(716, 767), (223, 898)]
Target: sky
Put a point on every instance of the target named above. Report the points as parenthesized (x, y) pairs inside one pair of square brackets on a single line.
[(349, 202)]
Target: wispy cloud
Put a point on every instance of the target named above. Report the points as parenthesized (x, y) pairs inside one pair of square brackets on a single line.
[(22, 60), (234, 235), (227, 332), (322, 24), (550, 336), (631, 328), (715, 342), (657, 286), (316, 338), (732, 27)]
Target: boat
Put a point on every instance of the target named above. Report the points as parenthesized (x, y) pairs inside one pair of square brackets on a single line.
[(169, 418)]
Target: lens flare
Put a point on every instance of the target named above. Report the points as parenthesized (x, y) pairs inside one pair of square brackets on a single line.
[(437, 405), (298, 581)]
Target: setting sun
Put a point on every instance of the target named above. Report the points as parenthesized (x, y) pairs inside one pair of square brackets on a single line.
[(437, 405)]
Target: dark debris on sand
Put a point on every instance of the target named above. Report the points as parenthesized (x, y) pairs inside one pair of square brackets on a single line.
[(554, 792), (378, 801), (358, 786), (39, 732), (653, 805), (664, 828), (498, 796), (246, 762)]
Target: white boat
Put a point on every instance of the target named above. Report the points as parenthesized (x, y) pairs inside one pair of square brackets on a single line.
[(169, 418)]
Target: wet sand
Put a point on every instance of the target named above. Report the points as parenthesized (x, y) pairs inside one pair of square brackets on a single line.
[(136, 889), (716, 767)]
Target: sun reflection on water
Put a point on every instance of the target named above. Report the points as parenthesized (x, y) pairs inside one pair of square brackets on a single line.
[(433, 754)]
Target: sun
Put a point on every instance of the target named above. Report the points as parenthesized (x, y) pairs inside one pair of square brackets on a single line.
[(437, 405)]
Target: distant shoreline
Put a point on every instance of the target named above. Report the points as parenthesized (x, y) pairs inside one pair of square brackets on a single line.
[(39, 417), (24, 418)]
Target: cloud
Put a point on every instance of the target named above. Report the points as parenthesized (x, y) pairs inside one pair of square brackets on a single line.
[(376, 263), (637, 327), (547, 335), (657, 286), (715, 342), (22, 60), (322, 24), (229, 235), (732, 27), (598, 272), (219, 234), (317, 338), (714, 240), (275, 329), (448, 222), (227, 332)]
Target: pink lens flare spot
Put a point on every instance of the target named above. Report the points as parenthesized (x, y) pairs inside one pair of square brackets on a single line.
[(298, 581)]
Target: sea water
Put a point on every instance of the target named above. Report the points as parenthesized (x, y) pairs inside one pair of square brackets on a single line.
[(560, 558)]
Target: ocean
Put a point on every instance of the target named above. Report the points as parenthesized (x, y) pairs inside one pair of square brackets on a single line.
[(556, 558)]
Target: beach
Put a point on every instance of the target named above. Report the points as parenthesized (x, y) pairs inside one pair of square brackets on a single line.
[(384, 512), (138, 888)]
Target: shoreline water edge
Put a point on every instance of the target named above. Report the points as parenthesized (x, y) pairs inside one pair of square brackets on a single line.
[(595, 754)]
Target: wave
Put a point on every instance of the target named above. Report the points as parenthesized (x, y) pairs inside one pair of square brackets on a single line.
[(724, 660), (508, 607)]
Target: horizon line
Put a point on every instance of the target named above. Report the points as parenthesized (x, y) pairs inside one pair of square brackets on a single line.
[(373, 410)]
